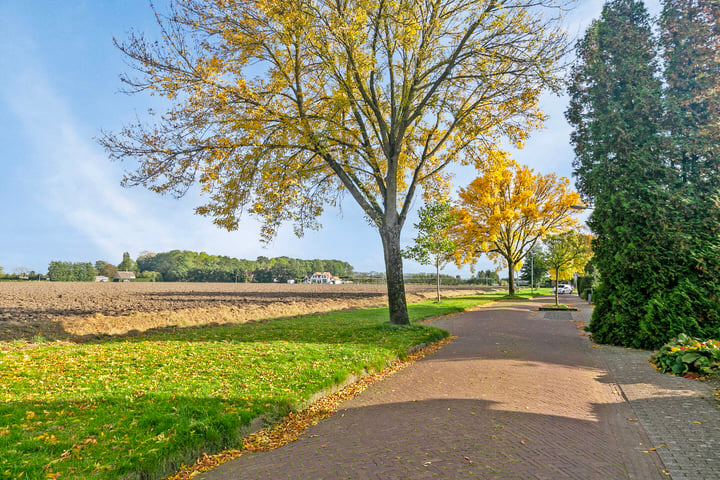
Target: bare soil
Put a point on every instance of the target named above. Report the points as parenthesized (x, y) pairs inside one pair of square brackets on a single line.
[(83, 311)]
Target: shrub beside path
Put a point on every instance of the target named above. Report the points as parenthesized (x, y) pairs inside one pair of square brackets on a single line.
[(519, 394)]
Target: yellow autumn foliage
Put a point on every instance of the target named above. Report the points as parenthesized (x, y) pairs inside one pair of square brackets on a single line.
[(281, 107), (508, 209)]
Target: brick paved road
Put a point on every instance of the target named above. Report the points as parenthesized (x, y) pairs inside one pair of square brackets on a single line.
[(519, 395)]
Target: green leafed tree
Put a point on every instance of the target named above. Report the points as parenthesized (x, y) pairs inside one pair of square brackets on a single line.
[(127, 264), (616, 111), (565, 254), (487, 277), (434, 244), (106, 269), (534, 270), (71, 271), (282, 107)]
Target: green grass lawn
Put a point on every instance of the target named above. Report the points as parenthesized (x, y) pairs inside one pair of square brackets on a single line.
[(138, 408), (524, 293)]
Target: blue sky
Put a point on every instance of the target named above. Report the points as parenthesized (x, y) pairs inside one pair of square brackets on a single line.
[(61, 197)]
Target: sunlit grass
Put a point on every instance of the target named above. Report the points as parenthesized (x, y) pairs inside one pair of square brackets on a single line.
[(139, 408), (524, 293)]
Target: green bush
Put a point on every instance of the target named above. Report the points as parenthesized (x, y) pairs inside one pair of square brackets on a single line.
[(686, 308), (687, 355), (584, 284)]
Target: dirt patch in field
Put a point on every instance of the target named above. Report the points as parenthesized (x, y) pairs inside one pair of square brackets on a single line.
[(86, 310)]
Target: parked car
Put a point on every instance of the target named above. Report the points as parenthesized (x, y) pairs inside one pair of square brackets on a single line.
[(563, 289)]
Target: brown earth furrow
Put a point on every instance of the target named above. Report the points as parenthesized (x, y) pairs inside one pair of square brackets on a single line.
[(86, 310)]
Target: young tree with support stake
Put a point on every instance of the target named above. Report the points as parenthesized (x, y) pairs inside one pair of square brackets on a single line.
[(434, 245), (566, 253), (283, 106)]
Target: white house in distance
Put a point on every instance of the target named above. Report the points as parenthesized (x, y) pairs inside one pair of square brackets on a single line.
[(124, 276), (322, 278)]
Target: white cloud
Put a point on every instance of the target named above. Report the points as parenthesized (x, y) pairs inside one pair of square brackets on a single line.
[(82, 186)]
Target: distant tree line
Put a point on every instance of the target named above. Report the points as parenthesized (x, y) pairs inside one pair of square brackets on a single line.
[(486, 277), (20, 273), (188, 266), (71, 271)]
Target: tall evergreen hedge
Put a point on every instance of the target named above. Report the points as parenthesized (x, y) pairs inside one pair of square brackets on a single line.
[(648, 168)]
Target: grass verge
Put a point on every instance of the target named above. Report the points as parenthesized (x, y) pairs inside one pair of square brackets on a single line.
[(139, 408), (520, 294)]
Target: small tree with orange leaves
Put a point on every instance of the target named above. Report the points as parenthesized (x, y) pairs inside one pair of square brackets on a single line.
[(507, 210)]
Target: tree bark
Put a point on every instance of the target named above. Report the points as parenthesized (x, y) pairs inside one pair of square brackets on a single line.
[(511, 280), (437, 277), (397, 303)]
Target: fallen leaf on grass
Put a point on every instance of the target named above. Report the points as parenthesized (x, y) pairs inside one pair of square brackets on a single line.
[(469, 461), (294, 424)]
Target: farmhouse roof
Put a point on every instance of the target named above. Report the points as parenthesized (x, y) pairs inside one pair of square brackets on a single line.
[(125, 275)]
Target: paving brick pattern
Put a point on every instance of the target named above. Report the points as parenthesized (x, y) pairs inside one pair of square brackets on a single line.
[(679, 415), (519, 395)]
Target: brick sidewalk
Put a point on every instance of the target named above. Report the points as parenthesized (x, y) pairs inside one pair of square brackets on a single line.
[(680, 416), (519, 395)]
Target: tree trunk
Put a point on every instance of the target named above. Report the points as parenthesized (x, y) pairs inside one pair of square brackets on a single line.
[(437, 278), (557, 279), (511, 280), (397, 303)]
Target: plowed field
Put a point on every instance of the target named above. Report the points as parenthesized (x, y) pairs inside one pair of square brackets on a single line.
[(82, 311)]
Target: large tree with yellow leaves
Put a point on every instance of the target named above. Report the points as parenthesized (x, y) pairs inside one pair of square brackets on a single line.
[(283, 106), (507, 210)]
